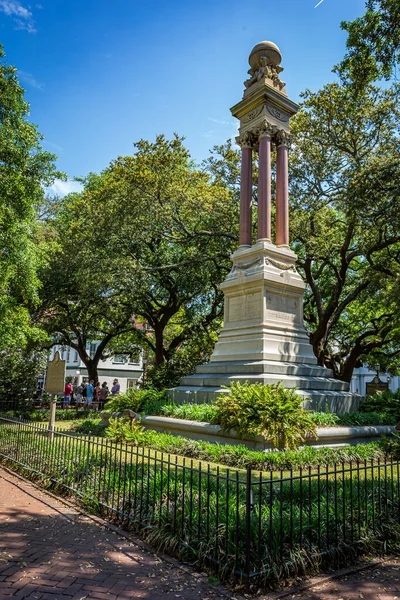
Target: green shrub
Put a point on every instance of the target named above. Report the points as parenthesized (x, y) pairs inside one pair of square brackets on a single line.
[(126, 430), (194, 412), (91, 426), (267, 410), (152, 401), (324, 419), (127, 401), (382, 402), (147, 401), (352, 419)]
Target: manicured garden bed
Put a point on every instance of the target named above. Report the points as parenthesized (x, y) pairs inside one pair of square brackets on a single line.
[(243, 524)]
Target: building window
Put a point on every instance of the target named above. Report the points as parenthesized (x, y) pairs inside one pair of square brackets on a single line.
[(76, 356), (92, 349), (68, 353), (131, 383), (119, 359)]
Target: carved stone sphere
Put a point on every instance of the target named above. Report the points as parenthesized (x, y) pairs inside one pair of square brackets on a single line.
[(267, 50)]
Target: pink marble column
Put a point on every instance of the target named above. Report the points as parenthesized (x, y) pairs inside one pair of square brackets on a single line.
[(246, 183), (264, 189), (282, 196)]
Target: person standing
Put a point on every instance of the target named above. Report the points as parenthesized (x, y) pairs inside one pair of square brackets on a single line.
[(96, 395), (115, 388), (103, 394), (79, 396), (67, 394), (89, 393)]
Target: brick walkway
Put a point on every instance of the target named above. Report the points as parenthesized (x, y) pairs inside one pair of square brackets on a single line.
[(49, 551), (379, 583)]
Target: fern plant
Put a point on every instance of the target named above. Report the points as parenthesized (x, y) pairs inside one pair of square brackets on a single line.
[(270, 411), (123, 430)]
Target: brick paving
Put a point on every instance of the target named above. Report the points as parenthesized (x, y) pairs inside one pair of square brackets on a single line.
[(381, 582), (49, 551)]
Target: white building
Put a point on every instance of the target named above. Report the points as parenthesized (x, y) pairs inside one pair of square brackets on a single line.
[(120, 367)]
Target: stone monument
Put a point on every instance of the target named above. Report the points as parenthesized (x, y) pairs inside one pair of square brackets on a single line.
[(263, 338)]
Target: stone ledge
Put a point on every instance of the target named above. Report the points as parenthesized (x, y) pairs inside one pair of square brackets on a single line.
[(327, 436)]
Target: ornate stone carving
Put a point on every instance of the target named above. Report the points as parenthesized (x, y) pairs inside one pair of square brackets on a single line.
[(279, 265), (245, 140), (246, 265), (253, 114), (277, 113), (266, 129), (283, 138), (265, 71)]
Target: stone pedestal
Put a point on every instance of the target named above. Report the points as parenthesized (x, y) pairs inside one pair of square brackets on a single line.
[(263, 316)]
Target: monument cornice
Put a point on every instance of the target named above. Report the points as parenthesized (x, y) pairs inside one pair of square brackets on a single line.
[(264, 95)]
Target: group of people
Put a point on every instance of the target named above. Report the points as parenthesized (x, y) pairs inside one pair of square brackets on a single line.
[(90, 395)]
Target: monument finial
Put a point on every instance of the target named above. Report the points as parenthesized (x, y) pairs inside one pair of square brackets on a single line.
[(265, 60)]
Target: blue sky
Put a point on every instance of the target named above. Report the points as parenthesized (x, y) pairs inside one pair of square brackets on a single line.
[(102, 74)]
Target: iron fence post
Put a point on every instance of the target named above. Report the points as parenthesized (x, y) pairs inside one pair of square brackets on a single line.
[(18, 440), (248, 526)]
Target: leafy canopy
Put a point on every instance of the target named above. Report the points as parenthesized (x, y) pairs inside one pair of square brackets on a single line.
[(25, 169)]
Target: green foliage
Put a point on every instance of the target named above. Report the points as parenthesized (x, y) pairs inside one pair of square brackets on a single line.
[(324, 419), (127, 401), (89, 426), (267, 410), (382, 402), (165, 269), (147, 401), (39, 416), (25, 170), (345, 220), (19, 370), (373, 43), (364, 419), (240, 456), (128, 431), (194, 412)]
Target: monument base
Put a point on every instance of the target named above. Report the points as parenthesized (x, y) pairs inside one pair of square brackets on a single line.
[(263, 339)]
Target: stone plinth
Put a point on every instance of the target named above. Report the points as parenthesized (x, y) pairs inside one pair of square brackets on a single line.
[(263, 315), (263, 339)]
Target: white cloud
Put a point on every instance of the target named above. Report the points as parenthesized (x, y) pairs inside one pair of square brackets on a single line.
[(208, 134), (320, 2), (30, 80), (22, 16), (222, 122), (62, 188)]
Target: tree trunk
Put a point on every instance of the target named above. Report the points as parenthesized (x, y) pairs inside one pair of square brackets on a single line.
[(90, 363), (159, 344), (92, 370)]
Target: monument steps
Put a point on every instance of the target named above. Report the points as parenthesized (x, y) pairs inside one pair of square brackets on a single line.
[(288, 381), (319, 400), (266, 366)]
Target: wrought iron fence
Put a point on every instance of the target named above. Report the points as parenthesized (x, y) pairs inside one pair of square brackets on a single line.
[(247, 523)]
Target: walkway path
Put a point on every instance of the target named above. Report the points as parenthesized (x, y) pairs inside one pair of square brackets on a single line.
[(49, 551)]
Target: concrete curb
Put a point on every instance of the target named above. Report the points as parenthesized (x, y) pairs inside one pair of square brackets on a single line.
[(199, 430)]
